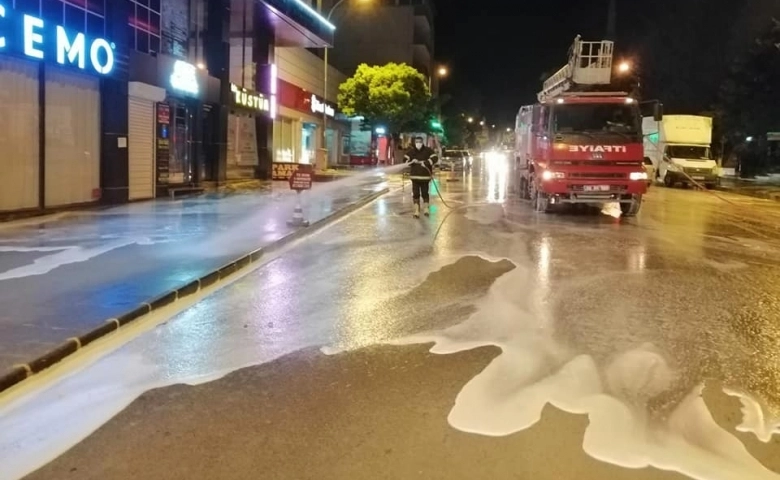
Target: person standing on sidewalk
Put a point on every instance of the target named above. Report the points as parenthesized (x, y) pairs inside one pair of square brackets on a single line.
[(421, 160)]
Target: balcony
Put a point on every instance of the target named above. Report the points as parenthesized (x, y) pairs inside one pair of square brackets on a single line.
[(423, 40), (295, 23)]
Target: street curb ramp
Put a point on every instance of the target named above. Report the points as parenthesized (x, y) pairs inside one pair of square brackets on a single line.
[(19, 373)]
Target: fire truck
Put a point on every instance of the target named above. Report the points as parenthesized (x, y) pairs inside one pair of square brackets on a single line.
[(582, 143)]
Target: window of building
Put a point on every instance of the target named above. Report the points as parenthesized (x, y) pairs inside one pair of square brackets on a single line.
[(284, 147), (145, 25), (78, 15)]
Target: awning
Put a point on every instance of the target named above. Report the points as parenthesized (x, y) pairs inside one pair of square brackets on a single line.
[(296, 24)]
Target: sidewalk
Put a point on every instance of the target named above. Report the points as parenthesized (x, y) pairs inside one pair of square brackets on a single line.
[(64, 274), (766, 191)]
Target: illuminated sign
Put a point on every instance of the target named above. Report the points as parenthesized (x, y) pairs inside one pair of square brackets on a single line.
[(598, 148), (39, 39), (185, 78), (251, 100), (273, 80), (321, 107)]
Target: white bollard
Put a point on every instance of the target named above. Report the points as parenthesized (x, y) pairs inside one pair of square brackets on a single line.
[(297, 218)]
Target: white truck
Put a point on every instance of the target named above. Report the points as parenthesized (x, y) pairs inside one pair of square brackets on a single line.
[(679, 148)]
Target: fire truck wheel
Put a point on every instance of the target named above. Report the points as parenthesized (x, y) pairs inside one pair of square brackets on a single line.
[(631, 209)]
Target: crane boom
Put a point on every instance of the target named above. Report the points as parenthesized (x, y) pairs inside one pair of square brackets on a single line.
[(590, 63)]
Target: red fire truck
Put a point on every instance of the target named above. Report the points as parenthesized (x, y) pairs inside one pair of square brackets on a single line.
[(582, 143)]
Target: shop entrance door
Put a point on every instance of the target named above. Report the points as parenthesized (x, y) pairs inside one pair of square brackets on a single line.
[(182, 159)]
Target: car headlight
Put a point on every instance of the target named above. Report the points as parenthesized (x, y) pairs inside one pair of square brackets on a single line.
[(548, 175), (638, 176)]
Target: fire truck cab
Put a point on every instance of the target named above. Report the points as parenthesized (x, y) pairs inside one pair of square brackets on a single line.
[(579, 144)]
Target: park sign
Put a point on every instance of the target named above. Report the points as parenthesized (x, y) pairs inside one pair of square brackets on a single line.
[(42, 40)]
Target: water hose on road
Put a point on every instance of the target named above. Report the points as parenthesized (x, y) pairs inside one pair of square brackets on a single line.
[(438, 192), (704, 187)]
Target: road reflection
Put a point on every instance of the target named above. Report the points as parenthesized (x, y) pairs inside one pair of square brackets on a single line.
[(498, 175)]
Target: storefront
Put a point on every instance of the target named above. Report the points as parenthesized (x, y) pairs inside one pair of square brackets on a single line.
[(50, 90), (170, 105), (298, 128), (242, 145)]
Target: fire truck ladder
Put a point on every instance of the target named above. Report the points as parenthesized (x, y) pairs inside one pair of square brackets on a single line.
[(590, 63)]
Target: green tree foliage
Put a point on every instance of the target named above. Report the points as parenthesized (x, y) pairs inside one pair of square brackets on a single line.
[(750, 95), (395, 96)]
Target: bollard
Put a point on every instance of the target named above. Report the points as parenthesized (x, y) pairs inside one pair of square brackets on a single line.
[(297, 218)]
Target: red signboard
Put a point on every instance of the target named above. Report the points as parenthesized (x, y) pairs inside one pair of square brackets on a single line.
[(297, 98), (301, 180)]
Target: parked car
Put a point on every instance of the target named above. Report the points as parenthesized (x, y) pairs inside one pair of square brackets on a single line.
[(456, 160)]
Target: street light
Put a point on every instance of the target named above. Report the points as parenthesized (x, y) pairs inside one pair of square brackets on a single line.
[(325, 76), (482, 123), (471, 120), (508, 130), (624, 67), (441, 72)]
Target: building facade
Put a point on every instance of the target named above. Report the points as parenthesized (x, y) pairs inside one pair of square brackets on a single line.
[(120, 100), (400, 31), (57, 67)]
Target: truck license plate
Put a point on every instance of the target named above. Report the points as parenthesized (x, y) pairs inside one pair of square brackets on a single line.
[(697, 177), (596, 188)]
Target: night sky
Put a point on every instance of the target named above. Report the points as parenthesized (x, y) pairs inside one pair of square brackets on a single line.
[(498, 50)]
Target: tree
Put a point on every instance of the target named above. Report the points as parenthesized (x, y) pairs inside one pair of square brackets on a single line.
[(456, 131), (395, 96), (750, 95)]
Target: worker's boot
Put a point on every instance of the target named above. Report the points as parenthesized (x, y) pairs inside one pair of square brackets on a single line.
[(427, 209), (416, 210)]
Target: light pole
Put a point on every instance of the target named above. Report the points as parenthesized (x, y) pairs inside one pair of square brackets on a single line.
[(325, 73)]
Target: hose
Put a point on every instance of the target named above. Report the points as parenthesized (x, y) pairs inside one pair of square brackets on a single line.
[(704, 187), (438, 192)]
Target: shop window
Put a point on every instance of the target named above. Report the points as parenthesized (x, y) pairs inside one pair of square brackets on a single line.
[(242, 141), (308, 142), (284, 148), (181, 163), (345, 145)]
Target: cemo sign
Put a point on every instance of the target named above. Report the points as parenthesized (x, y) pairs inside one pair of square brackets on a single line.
[(36, 38)]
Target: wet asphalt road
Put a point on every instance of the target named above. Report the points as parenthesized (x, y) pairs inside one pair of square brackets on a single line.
[(62, 277), (655, 327)]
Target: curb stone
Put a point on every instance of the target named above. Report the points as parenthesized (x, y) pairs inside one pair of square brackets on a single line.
[(19, 373)]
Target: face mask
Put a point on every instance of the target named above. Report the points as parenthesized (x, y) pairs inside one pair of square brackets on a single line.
[(418, 145)]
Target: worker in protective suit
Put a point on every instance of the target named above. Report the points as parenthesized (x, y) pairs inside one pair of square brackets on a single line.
[(421, 160)]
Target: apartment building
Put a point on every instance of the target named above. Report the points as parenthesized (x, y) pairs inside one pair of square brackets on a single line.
[(383, 31)]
